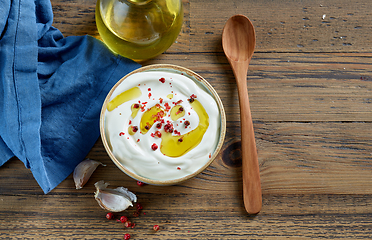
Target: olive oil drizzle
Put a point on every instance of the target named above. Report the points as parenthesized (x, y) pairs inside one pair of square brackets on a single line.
[(177, 112), (171, 146), (123, 97), (151, 116)]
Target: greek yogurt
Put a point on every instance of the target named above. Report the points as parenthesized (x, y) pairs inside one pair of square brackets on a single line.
[(162, 125)]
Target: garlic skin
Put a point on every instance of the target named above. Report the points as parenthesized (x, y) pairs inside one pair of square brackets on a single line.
[(113, 200), (83, 171)]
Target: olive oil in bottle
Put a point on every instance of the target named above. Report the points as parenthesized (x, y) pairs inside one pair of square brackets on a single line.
[(139, 29)]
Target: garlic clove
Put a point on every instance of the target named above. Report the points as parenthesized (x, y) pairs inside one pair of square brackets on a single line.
[(113, 200), (83, 171)]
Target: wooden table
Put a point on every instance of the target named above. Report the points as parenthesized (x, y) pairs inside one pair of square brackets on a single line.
[(310, 86)]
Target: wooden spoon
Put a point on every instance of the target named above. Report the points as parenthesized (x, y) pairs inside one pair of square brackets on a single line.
[(238, 42)]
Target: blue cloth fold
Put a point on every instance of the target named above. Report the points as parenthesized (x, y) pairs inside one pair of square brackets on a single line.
[(52, 89)]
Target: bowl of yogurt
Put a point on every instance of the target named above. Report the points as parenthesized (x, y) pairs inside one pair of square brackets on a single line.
[(162, 124)]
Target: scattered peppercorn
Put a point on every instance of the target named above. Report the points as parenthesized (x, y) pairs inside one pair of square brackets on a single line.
[(139, 183), (158, 134), (126, 236), (109, 215), (128, 224), (180, 109), (192, 98), (180, 140), (187, 123), (162, 80), (123, 219), (156, 227), (136, 105), (154, 146), (139, 206), (167, 107), (158, 116), (168, 127), (134, 128)]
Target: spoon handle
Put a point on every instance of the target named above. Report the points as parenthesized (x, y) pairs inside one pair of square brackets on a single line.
[(251, 174)]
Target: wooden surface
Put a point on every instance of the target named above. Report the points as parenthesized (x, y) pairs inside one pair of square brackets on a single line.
[(310, 88)]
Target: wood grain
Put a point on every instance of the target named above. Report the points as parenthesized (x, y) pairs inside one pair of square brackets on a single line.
[(283, 216), (310, 89)]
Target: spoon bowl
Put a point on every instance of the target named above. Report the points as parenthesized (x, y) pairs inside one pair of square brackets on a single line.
[(238, 42), (239, 38)]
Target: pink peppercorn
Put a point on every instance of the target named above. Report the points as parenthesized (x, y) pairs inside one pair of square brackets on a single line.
[(156, 227), (139, 183), (154, 146), (123, 219), (128, 224), (126, 236), (109, 215)]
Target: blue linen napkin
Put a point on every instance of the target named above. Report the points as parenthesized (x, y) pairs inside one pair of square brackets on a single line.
[(52, 89)]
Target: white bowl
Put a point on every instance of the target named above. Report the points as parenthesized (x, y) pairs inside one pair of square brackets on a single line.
[(141, 167)]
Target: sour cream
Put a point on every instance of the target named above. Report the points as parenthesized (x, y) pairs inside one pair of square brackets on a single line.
[(162, 125)]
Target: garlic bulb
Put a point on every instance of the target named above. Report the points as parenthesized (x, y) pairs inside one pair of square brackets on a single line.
[(83, 171), (113, 200)]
